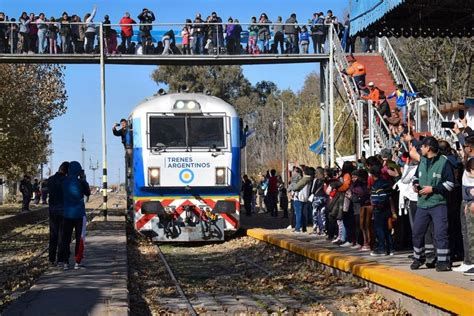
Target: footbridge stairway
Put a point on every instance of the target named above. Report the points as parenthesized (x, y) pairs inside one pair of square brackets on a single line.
[(385, 70)]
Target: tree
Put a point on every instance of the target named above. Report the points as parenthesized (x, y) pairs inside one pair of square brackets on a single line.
[(30, 97), (225, 82), (452, 56)]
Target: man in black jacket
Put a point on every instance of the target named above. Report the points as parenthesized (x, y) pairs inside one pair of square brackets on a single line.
[(146, 17), (56, 210), (122, 132), (26, 189)]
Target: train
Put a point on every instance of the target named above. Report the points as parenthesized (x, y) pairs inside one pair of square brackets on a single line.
[(183, 167)]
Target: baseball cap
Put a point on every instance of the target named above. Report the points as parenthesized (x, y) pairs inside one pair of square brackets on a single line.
[(371, 84)]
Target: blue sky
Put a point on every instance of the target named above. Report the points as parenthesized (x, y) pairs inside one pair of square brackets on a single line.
[(128, 85)]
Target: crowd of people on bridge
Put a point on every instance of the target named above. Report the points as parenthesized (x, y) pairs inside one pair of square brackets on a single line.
[(420, 197), (34, 33)]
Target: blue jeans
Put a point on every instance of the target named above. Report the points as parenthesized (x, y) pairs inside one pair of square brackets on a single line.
[(403, 111), (299, 214), (319, 218), (42, 41), (198, 44), (384, 241)]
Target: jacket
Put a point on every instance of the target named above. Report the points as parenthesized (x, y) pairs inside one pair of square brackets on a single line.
[(373, 96), (127, 30), (24, 25), (401, 96), (302, 188), (90, 23), (74, 191), (26, 188), (56, 198), (356, 69), (290, 26), (438, 173)]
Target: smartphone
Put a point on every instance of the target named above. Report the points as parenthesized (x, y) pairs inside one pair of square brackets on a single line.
[(458, 146), (461, 114), (447, 124), (363, 153)]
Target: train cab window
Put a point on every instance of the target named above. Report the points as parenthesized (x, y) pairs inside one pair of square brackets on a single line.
[(167, 131), (206, 132)]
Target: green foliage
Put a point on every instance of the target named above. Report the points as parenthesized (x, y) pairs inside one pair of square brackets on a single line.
[(453, 58), (30, 97)]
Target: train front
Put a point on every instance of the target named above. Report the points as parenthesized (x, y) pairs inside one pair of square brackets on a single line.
[(186, 168)]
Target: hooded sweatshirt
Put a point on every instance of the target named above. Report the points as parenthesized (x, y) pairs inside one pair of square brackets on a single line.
[(74, 191)]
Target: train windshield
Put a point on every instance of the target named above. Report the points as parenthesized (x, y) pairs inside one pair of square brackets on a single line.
[(205, 131), (187, 131), (167, 132)]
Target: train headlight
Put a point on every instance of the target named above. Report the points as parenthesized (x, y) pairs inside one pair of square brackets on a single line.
[(179, 105), (187, 106), (153, 176), (191, 105), (220, 175)]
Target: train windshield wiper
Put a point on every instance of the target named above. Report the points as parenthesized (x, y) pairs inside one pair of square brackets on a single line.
[(160, 147)]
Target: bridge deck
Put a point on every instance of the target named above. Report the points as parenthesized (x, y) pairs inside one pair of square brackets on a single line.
[(163, 59)]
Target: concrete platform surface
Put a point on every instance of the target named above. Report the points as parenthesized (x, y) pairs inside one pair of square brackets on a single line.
[(99, 288), (450, 291)]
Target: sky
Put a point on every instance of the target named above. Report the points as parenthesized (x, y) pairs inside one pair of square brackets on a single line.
[(126, 86)]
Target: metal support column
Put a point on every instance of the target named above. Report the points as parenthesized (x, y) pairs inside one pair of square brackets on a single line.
[(104, 128), (283, 156), (331, 97), (371, 131), (322, 109), (360, 129)]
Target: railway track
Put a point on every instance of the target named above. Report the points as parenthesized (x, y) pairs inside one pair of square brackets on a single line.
[(292, 297)]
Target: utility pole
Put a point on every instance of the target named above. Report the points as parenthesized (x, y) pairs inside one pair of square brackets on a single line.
[(93, 168), (283, 165), (83, 151), (118, 188)]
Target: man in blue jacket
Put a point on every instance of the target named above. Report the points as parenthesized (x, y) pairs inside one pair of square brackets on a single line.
[(402, 95), (74, 191), (56, 211)]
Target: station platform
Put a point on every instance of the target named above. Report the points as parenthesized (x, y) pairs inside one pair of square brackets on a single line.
[(422, 291), (98, 288)]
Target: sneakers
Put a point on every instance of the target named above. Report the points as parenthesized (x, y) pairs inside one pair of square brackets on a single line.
[(431, 264), (346, 244), (365, 248), (356, 246), (376, 253), (443, 266), (289, 227), (416, 264), (335, 241), (469, 272), (463, 267), (77, 266), (65, 266)]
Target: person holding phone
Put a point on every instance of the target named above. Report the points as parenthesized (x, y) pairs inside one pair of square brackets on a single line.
[(433, 180), (122, 132)]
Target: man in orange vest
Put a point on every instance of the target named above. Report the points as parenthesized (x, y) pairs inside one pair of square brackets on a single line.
[(357, 71), (374, 94)]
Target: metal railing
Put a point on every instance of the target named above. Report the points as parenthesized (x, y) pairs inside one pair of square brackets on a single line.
[(162, 38), (379, 133), (433, 115), (348, 82)]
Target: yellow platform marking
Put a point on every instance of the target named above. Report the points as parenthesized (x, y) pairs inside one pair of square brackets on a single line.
[(448, 297)]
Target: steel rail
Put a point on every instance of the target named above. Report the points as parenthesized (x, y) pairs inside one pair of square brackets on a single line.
[(189, 306)]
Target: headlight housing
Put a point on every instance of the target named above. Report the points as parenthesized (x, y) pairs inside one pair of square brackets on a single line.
[(221, 176), (153, 176), (187, 106)]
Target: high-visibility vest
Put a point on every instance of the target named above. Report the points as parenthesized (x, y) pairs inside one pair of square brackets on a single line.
[(356, 69)]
